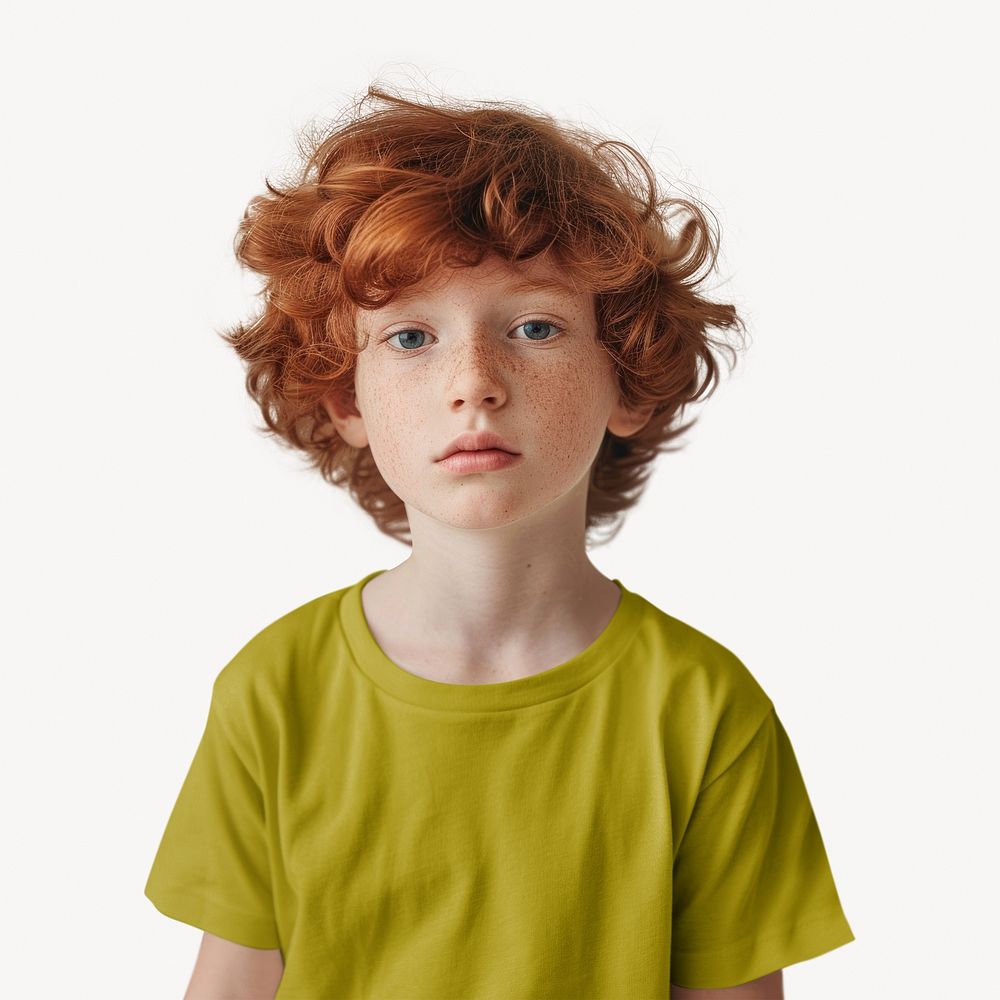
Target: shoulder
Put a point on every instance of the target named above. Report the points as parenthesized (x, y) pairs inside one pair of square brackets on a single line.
[(712, 702), (700, 668), (273, 659)]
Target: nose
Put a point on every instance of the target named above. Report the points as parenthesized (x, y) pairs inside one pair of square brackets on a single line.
[(477, 375)]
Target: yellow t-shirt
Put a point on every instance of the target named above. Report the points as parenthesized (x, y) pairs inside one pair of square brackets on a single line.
[(632, 817)]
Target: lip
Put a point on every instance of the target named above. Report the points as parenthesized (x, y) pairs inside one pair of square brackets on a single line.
[(472, 441), (484, 460)]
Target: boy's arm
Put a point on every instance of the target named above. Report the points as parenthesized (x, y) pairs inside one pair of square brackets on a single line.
[(769, 987), (228, 971)]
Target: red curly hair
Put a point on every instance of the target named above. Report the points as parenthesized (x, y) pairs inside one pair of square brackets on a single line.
[(390, 194)]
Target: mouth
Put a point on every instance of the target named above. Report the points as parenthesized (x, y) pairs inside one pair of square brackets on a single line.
[(470, 442), (480, 460), (477, 451)]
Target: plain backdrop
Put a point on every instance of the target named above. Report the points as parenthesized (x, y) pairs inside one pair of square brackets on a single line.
[(832, 518)]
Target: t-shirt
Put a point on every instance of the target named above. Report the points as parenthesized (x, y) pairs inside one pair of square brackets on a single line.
[(631, 817)]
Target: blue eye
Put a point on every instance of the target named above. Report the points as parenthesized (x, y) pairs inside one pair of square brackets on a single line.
[(537, 323), (536, 334), (407, 333)]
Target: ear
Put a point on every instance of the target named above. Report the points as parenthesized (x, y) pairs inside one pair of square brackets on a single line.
[(347, 419), (625, 422)]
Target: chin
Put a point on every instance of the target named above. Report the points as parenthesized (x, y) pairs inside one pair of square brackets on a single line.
[(477, 512), (482, 519)]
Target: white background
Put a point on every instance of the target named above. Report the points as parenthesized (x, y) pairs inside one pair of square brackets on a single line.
[(831, 520)]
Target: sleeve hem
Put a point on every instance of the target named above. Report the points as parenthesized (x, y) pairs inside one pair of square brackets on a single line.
[(216, 918), (756, 956)]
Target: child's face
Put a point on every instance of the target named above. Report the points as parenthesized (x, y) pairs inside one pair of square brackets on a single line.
[(477, 350)]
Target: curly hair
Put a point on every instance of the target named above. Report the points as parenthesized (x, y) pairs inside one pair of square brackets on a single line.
[(387, 195)]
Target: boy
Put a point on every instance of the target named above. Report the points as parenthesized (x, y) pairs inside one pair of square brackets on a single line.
[(489, 772)]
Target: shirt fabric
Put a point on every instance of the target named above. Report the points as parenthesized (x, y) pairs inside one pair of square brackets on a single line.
[(632, 817)]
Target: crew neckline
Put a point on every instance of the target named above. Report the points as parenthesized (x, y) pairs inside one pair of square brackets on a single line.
[(554, 682)]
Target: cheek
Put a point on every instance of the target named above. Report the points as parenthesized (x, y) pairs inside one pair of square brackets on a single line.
[(394, 415), (571, 409)]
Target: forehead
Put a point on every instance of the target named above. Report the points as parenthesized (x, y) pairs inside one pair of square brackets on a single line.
[(496, 276)]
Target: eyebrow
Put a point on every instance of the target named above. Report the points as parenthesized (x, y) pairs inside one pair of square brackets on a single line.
[(525, 285)]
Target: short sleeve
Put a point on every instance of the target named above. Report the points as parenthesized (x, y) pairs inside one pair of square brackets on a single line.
[(753, 889), (211, 869)]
